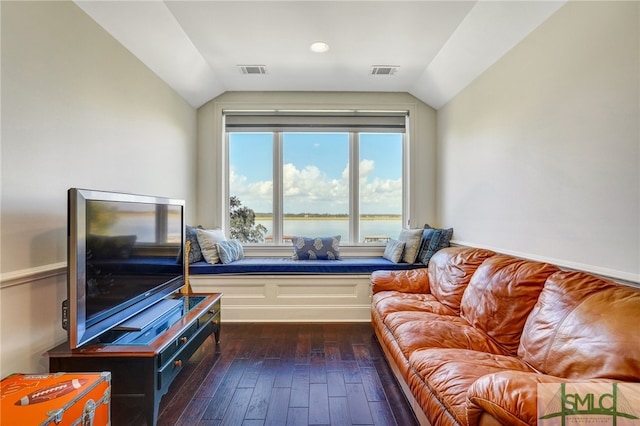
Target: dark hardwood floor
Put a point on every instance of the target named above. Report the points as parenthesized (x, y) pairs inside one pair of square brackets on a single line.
[(284, 374)]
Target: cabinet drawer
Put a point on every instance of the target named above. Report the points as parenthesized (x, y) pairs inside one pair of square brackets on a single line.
[(175, 364), (169, 371), (178, 343), (213, 311)]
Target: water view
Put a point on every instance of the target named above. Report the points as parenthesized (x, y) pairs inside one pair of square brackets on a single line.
[(371, 231)]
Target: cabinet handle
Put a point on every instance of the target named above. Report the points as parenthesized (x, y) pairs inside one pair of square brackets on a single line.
[(183, 339), (178, 363)]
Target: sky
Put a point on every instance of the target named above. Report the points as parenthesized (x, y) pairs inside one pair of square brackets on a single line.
[(316, 172)]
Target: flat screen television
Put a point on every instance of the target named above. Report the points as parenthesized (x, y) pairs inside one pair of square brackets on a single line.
[(124, 256)]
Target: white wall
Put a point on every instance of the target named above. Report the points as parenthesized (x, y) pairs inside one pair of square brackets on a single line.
[(422, 134), (540, 155), (78, 110)]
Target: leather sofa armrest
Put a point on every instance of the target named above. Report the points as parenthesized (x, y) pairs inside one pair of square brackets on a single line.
[(406, 281), (509, 396)]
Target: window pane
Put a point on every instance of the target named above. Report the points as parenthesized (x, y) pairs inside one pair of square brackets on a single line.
[(251, 186), (316, 184), (380, 186)]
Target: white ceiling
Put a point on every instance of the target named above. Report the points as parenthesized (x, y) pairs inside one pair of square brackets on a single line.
[(440, 46)]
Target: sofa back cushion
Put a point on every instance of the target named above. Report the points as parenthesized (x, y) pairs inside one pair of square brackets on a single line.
[(450, 270), (501, 294), (584, 327)]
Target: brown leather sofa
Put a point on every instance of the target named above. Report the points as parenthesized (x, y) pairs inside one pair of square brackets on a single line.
[(470, 337)]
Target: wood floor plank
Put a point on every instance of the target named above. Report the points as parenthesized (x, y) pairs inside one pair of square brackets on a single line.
[(395, 397), (278, 407), (362, 356), (358, 404), (339, 411), (317, 369), (298, 416), (335, 384), (284, 375), (234, 414), (262, 391), (351, 372), (382, 414), (223, 395), (372, 384), (303, 347), (332, 356), (318, 404), (317, 338), (192, 413), (300, 386), (251, 374), (214, 377)]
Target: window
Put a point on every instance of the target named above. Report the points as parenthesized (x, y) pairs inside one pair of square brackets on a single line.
[(315, 175)]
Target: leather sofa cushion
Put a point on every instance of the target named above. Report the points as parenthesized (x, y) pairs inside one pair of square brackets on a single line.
[(449, 373), (423, 330), (408, 281), (387, 302), (450, 271), (500, 296), (584, 327)]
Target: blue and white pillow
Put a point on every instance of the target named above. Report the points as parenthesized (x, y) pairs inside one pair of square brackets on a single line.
[(230, 251), (432, 241), (316, 248), (207, 239), (393, 250), (411, 239), (195, 253)]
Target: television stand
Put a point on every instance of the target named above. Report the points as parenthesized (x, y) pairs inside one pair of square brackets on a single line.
[(144, 367)]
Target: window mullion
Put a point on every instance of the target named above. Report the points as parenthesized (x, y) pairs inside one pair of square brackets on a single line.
[(354, 187), (277, 188)]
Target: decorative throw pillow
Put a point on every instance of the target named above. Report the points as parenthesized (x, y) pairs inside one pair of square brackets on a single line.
[(230, 251), (207, 239), (424, 244), (430, 245), (412, 239), (316, 248), (393, 250), (445, 239), (191, 235), (432, 241)]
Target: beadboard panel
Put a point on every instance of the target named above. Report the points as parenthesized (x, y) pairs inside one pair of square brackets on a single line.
[(273, 298)]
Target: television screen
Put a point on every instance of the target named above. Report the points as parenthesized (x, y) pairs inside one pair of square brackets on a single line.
[(124, 256)]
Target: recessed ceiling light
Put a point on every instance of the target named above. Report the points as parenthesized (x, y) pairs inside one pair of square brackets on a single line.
[(319, 47)]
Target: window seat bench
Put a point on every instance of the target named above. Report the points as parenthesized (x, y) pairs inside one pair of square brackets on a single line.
[(279, 289), (285, 265)]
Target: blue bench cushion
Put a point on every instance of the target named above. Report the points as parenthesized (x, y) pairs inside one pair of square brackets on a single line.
[(283, 265)]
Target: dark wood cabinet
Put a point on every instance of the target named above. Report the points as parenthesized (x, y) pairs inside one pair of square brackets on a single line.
[(145, 370)]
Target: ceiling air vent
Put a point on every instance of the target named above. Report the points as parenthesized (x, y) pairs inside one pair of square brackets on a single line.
[(384, 69), (253, 69)]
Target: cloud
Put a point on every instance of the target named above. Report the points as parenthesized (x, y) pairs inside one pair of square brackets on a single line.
[(309, 190)]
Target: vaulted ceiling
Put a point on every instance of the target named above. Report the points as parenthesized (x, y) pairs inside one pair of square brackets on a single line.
[(439, 47)]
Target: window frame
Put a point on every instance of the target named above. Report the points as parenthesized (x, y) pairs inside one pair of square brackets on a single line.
[(409, 209)]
